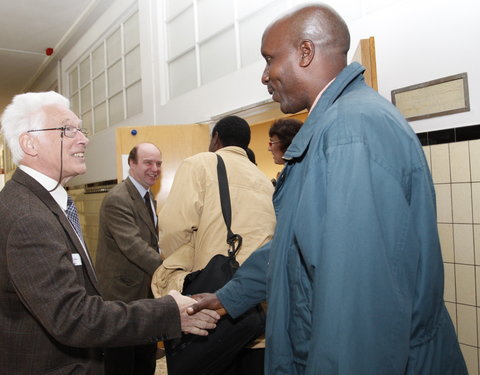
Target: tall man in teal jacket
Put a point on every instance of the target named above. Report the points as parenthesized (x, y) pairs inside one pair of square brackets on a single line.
[(354, 275)]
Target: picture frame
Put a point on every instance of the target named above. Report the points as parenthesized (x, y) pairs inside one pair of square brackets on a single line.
[(440, 97)]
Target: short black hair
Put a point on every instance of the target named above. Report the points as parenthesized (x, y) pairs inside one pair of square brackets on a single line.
[(233, 131), (251, 155), (285, 129)]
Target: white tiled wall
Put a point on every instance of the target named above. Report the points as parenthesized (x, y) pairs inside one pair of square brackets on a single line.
[(455, 170)]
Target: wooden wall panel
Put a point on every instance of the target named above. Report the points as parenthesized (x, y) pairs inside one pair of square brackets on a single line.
[(176, 142), (365, 55)]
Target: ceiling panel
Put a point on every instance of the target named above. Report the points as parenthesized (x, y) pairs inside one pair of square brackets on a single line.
[(28, 27)]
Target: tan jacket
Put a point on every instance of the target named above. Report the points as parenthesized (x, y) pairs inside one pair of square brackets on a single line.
[(192, 228)]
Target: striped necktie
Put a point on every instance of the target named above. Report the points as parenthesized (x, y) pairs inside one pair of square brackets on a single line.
[(72, 215)]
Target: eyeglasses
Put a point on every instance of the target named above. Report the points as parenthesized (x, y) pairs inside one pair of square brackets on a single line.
[(270, 143), (69, 131)]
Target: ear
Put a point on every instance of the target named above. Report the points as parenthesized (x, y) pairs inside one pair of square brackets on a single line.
[(307, 52), (214, 143), (28, 144)]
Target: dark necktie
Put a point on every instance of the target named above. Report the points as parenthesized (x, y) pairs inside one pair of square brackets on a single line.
[(149, 207), (150, 212), (73, 217)]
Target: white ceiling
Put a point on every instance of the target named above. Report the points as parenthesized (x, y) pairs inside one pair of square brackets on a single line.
[(28, 28)]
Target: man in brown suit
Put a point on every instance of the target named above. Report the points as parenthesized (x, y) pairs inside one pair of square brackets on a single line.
[(127, 252), (52, 318)]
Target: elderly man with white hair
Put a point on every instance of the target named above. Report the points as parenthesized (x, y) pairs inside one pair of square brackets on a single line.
[(52, 318)]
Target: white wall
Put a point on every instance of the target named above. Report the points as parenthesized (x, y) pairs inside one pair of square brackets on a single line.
[(416, 41)]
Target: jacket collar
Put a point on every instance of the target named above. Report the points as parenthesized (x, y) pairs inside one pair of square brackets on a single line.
[(139, 203), (352, 72), (36, 188)]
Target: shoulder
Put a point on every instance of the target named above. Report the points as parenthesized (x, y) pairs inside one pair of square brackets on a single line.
[(119, 192), (201, 158), (198, 163)]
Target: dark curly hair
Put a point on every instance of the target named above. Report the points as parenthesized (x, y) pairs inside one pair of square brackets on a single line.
[(285, 129)]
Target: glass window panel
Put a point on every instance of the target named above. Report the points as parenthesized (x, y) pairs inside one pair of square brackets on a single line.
[(84, 71), (131, 32), (115, 81), (134, 99), (86, 98), (246, 7), (73, 81), (176, 6), (183, 74), (218, 56), (132, 66), (100, 113), (99, 91), (114, 47), (87, 122), (74, 104), (223, 11), (181, 34), (98, 60), (115, 109), (251, 31)]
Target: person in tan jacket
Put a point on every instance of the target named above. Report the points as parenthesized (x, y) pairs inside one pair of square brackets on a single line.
[(191, 226)]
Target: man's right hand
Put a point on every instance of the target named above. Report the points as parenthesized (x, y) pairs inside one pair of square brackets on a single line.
[(206, 301), (197, 324)]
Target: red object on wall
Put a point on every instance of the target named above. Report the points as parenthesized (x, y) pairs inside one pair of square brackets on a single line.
[(49, 51)]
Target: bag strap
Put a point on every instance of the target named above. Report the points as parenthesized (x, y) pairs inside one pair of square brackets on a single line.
[(233, 240)]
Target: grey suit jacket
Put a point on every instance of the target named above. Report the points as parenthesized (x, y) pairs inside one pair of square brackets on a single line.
[(127, 253), (52, 320)]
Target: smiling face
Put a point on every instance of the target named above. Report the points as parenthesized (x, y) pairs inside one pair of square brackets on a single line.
[(146, 169), (44, 154)]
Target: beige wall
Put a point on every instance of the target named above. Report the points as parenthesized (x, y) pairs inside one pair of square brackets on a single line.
[(456, 175)]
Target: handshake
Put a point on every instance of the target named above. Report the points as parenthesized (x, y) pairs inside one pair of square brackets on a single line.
[(200, 314)]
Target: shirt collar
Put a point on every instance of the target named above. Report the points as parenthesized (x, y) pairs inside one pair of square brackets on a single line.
[(59, 194), (138, 186), (319, 95)]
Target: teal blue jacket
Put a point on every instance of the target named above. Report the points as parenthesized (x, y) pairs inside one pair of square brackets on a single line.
[(354, 274)]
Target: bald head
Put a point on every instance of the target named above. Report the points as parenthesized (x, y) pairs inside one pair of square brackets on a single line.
[(320, 24), (304, 51)]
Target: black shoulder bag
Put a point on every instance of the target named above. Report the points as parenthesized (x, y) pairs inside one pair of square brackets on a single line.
[(214, 353)]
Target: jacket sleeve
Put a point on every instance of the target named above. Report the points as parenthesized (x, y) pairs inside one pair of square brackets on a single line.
[(172, 272), (44, 278), (123, 226), (180, 216), (248, 286)]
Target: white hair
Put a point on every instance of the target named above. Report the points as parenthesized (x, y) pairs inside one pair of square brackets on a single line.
[(26, 113)]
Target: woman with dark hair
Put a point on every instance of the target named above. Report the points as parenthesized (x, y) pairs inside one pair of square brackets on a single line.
[(281, 135)]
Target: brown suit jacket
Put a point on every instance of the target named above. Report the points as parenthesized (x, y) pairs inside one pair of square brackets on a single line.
[(127, 253), (52, 320)]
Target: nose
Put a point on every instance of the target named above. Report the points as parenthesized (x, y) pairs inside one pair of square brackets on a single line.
[(155, 168), (265, 76), (83, 138)]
